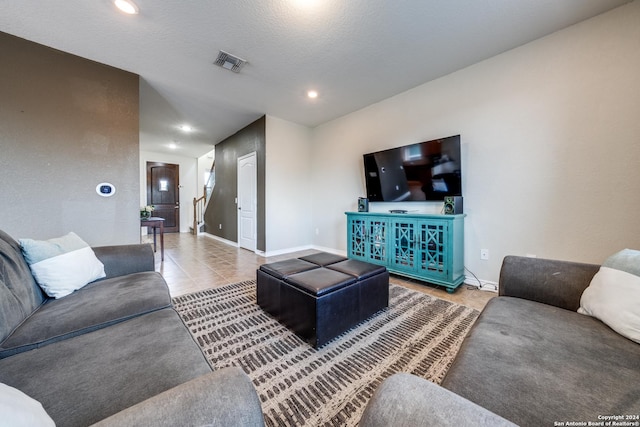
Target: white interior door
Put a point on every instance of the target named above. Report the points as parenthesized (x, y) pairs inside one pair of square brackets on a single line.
[(247, 201)]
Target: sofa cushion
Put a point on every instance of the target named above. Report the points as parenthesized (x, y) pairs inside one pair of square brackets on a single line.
[(19, 293), (62, 265), (534, 364), (405, 400), (626, 260), (95, 306), (225, 398), (614, 293), (105, 371), (19, 410)]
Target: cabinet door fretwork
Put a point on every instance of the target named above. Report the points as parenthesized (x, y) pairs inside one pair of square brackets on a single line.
[(425, 247)]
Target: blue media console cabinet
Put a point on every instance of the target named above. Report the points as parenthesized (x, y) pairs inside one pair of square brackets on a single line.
[(420, 246)]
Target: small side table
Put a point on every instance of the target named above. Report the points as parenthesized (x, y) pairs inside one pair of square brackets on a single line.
[(155, 222)]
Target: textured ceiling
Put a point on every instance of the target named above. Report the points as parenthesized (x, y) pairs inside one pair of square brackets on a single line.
[(353, 52)]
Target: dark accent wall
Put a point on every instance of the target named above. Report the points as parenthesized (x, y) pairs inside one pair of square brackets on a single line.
[(222, 209), (66, 125)]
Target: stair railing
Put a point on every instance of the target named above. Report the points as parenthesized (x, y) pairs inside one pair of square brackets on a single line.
[(200, 203)]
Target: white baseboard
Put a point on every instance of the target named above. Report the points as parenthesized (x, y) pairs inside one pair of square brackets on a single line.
[(278, 251), (301, 248), (284, 251), (484, 285), (220, 239), (330, 250)]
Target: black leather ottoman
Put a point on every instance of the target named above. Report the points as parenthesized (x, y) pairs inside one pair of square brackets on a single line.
[(373, 285), (323, 295), (270, 279), (318, 305)]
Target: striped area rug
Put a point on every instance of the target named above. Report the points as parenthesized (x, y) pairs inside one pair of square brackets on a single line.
[(301, 386)]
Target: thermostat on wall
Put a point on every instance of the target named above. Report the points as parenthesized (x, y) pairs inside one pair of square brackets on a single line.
[(105, 189)]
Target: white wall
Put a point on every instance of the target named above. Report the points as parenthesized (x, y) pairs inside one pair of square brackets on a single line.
[(188, 182), (288, 192), (550, 146)]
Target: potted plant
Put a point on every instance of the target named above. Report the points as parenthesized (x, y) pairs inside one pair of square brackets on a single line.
[(145, 211)]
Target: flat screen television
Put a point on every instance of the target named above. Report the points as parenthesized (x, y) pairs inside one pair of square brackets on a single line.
[(426, 171)]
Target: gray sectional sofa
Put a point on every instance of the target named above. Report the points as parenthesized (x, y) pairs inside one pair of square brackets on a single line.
[(530, 359), (113, 352)]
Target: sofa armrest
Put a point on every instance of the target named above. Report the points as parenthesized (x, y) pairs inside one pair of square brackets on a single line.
[(222, 398), (404, 400), (121, 260), (553, 282)]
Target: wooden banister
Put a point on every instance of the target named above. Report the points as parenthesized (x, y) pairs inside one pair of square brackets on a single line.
[(198, 212), (200, 203)]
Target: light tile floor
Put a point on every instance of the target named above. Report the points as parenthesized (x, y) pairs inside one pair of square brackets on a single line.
[(193, 263)]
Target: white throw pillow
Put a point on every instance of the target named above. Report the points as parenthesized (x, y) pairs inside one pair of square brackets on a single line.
[(614, 293), (62, 265), (17, 409)]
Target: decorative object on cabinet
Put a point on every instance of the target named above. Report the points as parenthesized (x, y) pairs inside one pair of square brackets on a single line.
[(453, 205), (363, 204)]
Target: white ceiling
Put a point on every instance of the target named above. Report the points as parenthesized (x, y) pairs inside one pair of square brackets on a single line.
[(353, 52)]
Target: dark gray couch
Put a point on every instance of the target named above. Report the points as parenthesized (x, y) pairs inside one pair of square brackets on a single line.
[(530, 358), (115, 348)]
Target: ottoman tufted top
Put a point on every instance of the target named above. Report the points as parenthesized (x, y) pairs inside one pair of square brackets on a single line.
[(323, 258), (359, 269), (320, 281), (282, 269)]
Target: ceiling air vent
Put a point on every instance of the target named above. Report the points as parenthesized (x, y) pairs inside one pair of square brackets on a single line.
[(230, 62)]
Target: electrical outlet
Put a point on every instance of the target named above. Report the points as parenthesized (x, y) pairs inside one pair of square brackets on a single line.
[(484, 253), (220, 226), (488, 286)]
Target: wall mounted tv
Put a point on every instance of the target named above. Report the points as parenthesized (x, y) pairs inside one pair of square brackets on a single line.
[(426, 171)]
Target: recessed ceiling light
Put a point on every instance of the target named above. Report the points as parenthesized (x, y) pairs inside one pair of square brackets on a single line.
[(173, 146), (126, 6), (186, 128), (312, 94)]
